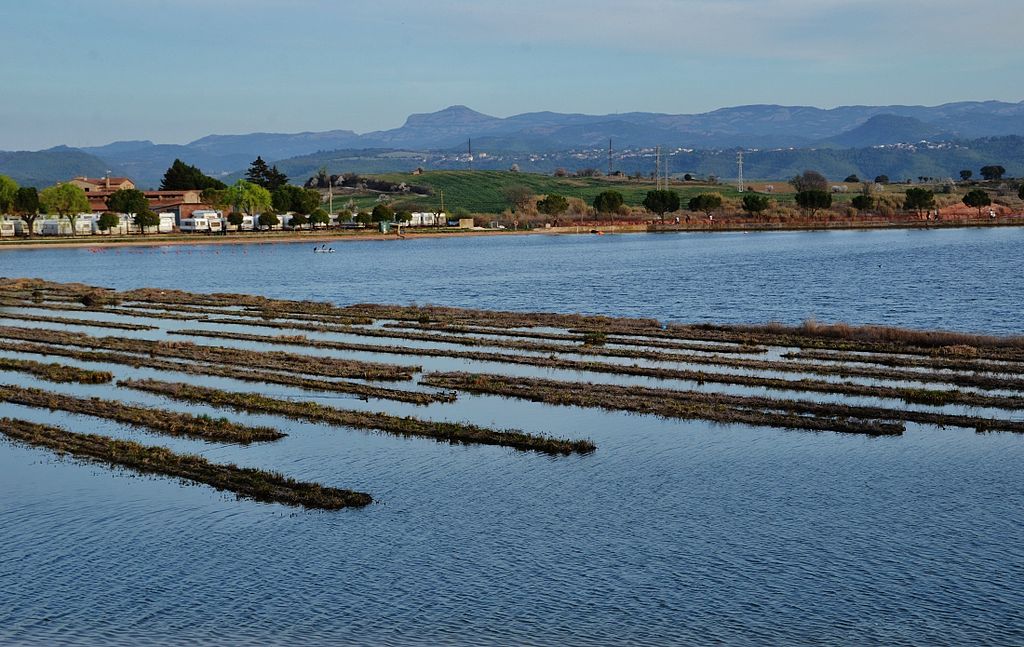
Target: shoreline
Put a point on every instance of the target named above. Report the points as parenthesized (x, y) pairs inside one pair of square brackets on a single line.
[(320, 237)]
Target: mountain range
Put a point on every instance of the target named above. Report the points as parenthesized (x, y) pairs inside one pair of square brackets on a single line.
[(441, 135)]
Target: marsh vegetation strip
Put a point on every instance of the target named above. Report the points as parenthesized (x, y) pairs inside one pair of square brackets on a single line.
[(877, 339), (458, 340), (161, 421), (69, 321), (717, 407), (245, 482), (583, 338), (55, 372), (288, 362), (551, 361), (449, 432), (357, 389), (911, 361)]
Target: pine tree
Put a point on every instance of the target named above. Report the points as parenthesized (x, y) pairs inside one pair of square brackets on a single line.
[(182, 177)]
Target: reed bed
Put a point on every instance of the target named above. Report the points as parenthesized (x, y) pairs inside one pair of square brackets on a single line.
[(717, 407), (248, 312), (244, 482), (69, 321), (55, 372), (961, 379), (68, 307), (358, 389), (449, 432), (258, 303), (910, 361), (872, 339), (288, 362), (161, 421), (457, 340), (497, 318), (580, 337)]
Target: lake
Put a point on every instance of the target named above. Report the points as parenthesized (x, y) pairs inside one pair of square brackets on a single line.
[(673, 532)]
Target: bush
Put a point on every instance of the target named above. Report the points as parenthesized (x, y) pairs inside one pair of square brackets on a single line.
[(108, 221), (661, 202), (755, 204), (553, 205), (608, 202), (267, 220), (862, 202), (706, 202), (814, 200)]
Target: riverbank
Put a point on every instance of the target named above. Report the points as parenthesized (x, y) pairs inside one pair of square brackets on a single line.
[(601, 227)]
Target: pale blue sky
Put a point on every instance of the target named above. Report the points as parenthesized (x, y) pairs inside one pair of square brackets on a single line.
[(87, 73)]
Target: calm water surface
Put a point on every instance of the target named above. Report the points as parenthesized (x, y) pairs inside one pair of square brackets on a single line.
[(671, 533)]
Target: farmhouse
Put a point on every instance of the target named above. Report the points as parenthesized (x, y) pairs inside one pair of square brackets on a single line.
[(102, 184), (181, 203)]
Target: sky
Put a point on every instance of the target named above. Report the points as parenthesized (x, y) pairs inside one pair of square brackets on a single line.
[(89, 73)]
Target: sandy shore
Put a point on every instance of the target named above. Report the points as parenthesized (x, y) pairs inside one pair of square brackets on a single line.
[(330, 237), (163, 240)]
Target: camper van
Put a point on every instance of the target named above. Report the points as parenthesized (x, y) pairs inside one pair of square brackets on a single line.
[(21, 227), (7, 228), (248, 223), (206, 220), (195, 223), (61, 226)]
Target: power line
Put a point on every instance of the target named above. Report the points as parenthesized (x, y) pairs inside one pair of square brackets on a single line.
[(739, 171)]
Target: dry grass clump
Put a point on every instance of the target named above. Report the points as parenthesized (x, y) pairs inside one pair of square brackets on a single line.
[(244, 482)]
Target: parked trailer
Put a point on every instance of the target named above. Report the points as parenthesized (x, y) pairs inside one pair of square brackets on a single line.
[(166, 225), (248, 224), (272, 227), (7, 229), (195, 225), (62, 227), (21, 227)]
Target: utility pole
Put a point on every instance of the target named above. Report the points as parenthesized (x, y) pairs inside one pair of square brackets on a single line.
[(657, 168), (330, 191), (667, 157), (442, 201), (739, 171), (609, 156)]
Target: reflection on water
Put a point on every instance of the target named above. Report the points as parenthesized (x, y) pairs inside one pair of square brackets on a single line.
[(672, 532)]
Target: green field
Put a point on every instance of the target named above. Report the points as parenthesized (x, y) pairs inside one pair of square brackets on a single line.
[(482, 191)]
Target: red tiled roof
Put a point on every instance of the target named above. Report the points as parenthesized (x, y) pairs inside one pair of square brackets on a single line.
[(103, 180)]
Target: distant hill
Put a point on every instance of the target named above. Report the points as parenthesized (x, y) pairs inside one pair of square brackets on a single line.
[(903, 161), (887, 129), (547, 133), (43, 168)]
